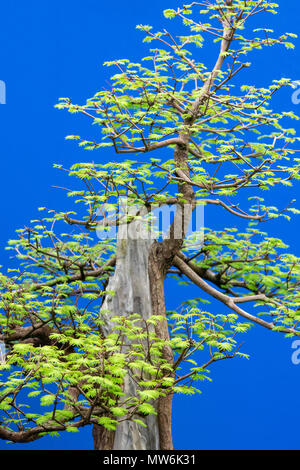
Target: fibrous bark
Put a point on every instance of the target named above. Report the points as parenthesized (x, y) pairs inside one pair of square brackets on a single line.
[(130, 284), (138, 283)]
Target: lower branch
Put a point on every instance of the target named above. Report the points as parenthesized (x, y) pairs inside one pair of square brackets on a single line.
[(225, 299)]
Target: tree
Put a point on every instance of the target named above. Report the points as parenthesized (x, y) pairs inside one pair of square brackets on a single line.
[(89, 339)]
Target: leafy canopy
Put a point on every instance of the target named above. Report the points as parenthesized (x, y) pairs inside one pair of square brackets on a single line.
[(62, 372)]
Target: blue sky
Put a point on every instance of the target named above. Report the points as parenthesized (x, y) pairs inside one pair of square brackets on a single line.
[(54, 48)]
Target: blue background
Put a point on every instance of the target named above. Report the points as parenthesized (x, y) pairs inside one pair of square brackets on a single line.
[(53, 49)]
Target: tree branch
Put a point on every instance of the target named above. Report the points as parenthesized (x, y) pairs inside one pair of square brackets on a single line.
[(230, 302)]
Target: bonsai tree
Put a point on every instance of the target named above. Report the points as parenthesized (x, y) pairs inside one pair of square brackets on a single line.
[(89, 339)]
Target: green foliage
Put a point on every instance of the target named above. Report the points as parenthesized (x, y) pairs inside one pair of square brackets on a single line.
[(62, 371)]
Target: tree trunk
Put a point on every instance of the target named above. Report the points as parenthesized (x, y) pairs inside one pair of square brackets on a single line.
[(130, 283), (158, 255)]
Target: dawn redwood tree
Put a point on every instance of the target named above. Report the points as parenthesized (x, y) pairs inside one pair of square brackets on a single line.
[(88, 337)]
